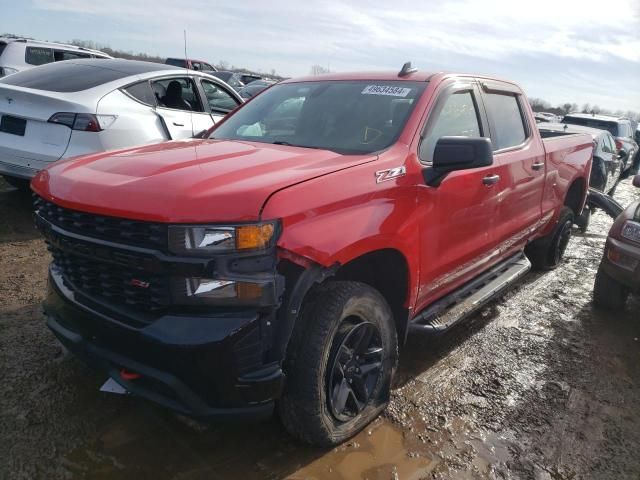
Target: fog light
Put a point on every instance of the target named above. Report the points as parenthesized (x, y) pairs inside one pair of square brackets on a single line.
[(207, 288), (210, 288)]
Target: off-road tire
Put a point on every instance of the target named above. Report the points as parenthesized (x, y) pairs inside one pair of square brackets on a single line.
[(608, 293), (546, 253), (19, 183), (304, 406)]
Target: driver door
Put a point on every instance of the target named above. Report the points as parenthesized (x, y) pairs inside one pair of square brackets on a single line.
[(457, 217)]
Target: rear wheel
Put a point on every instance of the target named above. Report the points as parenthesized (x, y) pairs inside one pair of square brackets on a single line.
[(608, 293), (340, 363), (546, 253)]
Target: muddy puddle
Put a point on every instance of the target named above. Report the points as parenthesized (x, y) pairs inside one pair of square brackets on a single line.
[(537, 386)]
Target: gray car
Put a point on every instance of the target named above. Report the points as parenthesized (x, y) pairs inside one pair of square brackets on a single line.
[(619, 272)]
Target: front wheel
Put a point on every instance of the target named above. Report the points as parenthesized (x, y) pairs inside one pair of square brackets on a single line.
[(340, 363)]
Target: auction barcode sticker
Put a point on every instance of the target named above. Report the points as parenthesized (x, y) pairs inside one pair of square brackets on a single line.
[(386, 90)]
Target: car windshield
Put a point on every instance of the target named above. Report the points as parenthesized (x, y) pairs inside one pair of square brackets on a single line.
[(349, 117), (612, 127)]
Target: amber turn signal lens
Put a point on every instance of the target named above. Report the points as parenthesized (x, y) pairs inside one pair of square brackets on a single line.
[(248, 291), (253, 236)]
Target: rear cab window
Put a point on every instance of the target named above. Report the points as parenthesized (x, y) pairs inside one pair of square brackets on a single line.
[(508, 126), (176, 62)]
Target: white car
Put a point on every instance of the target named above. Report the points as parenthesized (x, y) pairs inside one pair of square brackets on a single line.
[(78, 107), (18, 54)]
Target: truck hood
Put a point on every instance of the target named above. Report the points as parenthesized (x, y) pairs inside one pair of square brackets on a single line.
[(185, 181)]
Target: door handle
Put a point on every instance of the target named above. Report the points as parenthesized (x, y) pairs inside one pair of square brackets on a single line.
[(178, 124), (538, 166), (491, 179)]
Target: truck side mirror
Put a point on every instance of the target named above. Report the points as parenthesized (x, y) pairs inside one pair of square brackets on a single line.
[(458, 153), (636, 181)]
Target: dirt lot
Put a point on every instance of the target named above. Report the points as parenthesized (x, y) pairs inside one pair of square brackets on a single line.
[(539, 385)]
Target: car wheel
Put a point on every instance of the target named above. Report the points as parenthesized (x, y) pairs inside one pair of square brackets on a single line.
[(339, 365), (21, 184), (546, 253), (608, 293)]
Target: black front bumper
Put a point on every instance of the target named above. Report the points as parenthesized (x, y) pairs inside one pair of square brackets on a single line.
[(203, 365)]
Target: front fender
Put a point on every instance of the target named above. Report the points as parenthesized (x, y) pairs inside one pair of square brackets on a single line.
[(331, 224)]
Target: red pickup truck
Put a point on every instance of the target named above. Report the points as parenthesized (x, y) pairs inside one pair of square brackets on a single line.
[(282, 260)]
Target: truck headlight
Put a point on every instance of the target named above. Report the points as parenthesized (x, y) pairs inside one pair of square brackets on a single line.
[(203, 239), (631, 231)]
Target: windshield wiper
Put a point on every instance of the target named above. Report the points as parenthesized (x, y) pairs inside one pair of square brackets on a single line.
[(279, 142)]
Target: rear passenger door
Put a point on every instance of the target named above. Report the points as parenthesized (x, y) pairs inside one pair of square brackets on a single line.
[(175, 111), (457, 237), (519, 160)]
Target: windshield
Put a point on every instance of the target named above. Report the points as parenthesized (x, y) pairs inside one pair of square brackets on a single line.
[(349, 117)]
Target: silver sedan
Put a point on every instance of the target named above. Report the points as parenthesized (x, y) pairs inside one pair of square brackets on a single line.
[(78, 107)]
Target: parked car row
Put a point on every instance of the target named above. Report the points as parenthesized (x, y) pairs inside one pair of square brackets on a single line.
[(622, 132), (83, 106)]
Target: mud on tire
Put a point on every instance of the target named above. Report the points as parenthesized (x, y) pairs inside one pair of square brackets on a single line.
[(333, 389), (546, 253), (608, 293)]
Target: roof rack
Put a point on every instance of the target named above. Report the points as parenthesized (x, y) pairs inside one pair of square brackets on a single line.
[(407, 69)]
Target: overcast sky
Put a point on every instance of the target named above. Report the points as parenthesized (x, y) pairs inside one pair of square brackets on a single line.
[(561, 50)]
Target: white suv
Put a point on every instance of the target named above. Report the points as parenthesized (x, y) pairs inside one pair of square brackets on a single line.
[(17, 54)]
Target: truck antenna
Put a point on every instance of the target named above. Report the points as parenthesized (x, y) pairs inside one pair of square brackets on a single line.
[(185, 45)]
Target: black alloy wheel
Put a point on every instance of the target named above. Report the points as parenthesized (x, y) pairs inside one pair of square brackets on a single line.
[(354, 369)]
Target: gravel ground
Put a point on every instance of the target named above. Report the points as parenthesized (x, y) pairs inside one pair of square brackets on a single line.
[(537, 386)]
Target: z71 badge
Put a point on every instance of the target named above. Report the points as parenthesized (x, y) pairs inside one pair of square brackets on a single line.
[(390, 174)]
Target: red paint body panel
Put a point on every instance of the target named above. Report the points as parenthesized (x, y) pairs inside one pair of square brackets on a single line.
[(331, 207)]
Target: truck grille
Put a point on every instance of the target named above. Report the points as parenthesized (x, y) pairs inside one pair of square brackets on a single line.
[(129, 232), (112, 283)]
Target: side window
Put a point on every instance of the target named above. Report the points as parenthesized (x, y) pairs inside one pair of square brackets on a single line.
[(142, 92), (458, 118), (508, 122), (625, 130), (219, 100), (38, 55), (605, 144), (177, 93), (60, 55)]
